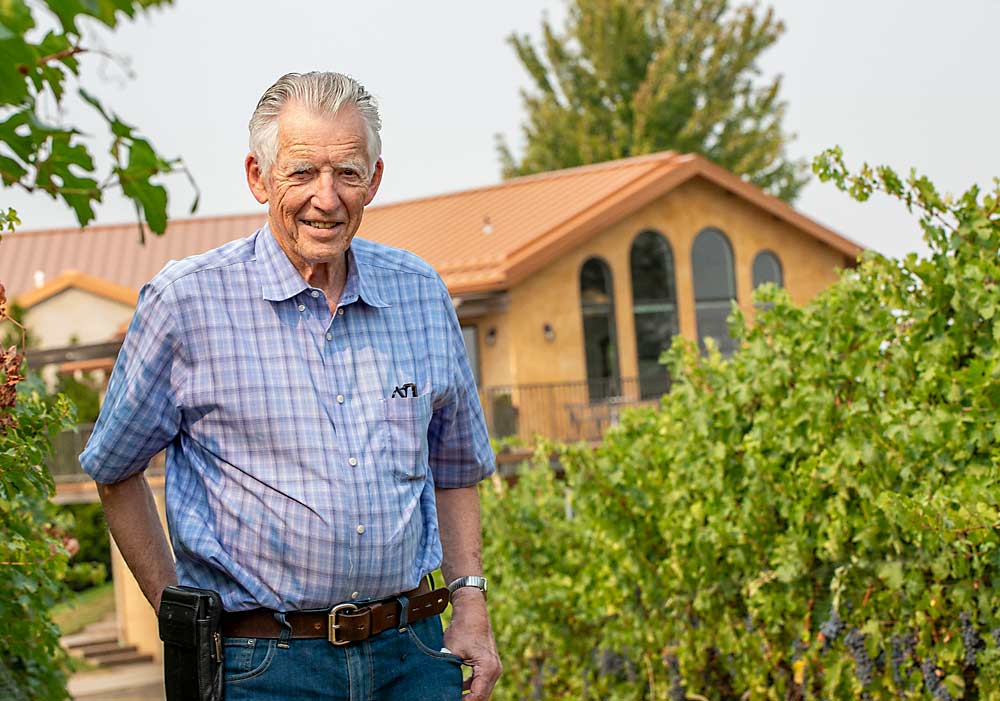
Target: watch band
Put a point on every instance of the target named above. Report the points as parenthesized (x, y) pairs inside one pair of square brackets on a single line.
[(469, 581)]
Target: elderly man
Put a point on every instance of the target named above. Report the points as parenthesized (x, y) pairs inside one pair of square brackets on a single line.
[(323, 432)]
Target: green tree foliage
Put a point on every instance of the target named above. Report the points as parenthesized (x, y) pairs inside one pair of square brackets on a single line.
[(36, 69), (629, 77), (817, 517), (91, 564), (83, 393)]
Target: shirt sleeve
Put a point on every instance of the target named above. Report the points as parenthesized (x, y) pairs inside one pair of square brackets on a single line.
[(460, 453), (141, 412)]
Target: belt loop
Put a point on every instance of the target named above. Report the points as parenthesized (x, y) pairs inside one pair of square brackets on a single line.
[(404, 606), (286, 629)]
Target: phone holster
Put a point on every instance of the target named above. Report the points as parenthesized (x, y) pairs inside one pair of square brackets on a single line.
[(192, 643)]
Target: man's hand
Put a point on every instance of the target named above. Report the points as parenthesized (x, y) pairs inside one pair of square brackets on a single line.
[(470, 637)]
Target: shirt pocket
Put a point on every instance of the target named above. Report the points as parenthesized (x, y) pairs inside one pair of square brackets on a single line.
[(404, 435)]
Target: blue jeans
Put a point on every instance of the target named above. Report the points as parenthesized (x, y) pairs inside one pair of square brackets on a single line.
[(403, 664)]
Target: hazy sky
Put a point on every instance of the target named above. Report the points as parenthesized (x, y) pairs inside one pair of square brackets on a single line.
[(904, 83)]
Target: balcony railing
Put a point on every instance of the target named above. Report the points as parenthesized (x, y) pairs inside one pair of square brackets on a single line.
[(567, 411), (64, 463), (66, 447)]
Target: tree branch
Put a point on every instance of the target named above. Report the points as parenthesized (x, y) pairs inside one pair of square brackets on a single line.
[(60, 55)]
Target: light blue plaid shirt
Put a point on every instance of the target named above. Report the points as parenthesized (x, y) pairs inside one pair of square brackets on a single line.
[(295, 480)]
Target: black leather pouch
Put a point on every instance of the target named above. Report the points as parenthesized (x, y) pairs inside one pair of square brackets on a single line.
[(192, 644)]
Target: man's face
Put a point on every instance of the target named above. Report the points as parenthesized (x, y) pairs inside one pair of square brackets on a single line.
[(319, 185)]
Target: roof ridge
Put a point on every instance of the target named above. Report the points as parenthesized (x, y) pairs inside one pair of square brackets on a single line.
[(660, 156), (665, 164)]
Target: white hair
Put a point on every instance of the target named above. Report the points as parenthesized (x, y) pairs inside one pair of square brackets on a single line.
[(321, 92)]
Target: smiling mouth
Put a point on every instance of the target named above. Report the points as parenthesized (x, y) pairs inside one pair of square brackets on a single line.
[(321, 224)]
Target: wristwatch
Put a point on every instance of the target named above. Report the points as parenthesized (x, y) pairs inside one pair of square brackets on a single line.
[(469, 581)]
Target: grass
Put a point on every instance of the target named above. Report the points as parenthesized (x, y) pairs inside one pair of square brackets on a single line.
[(86, 607)]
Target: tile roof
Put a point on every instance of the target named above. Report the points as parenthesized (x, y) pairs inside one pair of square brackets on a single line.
[(81, 281), (480, 240)]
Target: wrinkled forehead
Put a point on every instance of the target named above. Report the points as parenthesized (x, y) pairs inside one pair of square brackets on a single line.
[(296, 119), (304, 134)]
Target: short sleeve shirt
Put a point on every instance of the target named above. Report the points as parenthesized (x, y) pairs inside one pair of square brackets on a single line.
[(303, 447)]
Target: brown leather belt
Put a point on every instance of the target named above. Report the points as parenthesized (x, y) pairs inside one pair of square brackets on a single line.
[(344, 623)]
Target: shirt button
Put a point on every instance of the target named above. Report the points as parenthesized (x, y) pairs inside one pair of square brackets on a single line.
[(340, 399), (355, 595), (353, 463), (315, 293), (360, 529), (340, 312), (329, 337), (302, 307)]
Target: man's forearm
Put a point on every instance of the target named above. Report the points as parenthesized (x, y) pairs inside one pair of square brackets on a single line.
[(461, 538), (469, 634), (135, 524)]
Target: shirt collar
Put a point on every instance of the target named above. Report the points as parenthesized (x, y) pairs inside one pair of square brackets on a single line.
[(281, 281)]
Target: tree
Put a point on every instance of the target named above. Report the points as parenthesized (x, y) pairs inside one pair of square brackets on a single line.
[(816, 517), (40, 156), (35, 155), (629, 77)]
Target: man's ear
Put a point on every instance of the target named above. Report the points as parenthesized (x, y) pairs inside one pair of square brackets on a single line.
[(255, 179), (374, 182)]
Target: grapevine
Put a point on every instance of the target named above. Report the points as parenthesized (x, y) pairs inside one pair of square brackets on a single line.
[(932, 680), (836, 482), (676, 692), (903, 646), (863, 666), (831, 629), (971, 640)]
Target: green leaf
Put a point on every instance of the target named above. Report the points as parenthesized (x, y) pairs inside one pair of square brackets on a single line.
[(10, 170), (892, 574), (15, 18)]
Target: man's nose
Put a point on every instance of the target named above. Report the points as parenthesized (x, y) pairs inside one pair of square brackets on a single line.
[(325, 196)]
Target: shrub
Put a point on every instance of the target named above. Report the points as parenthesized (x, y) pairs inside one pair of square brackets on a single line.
[(816, 517), (32, 554), (91, 564)]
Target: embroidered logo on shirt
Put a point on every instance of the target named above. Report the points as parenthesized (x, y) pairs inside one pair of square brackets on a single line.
[(402, 391)]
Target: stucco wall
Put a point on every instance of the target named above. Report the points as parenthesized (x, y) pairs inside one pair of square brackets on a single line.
[(552, 295), (75, 315), (496, 356)]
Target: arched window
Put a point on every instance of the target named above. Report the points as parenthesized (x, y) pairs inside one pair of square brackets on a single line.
[(767, 268), (598, 304), (714, 287), (654, 303)]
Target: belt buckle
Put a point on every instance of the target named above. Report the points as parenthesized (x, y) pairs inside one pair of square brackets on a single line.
[(332, 626)]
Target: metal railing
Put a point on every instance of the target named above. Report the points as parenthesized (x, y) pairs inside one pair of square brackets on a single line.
[(567, 411), (66, 447), (64, 463)]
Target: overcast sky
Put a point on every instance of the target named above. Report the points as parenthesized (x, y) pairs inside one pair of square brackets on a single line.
[(904, 83)]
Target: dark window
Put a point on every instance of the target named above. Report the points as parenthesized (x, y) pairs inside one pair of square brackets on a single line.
[(471, 339), (767, 268), (714, 287), (654, 303), (598, 306)]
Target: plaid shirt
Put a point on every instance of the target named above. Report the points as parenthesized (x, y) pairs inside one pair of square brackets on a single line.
[(295, 478)]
